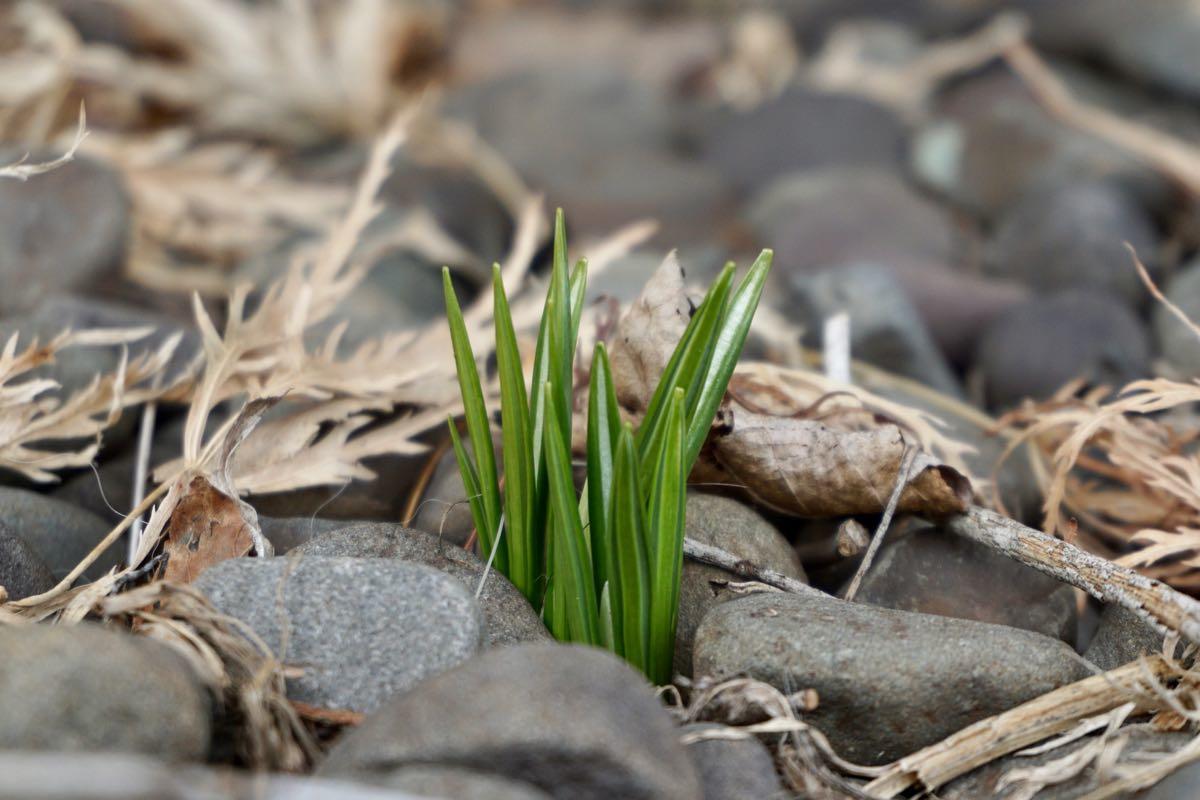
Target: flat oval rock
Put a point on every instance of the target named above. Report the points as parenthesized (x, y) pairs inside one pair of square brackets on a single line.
[(888, 682), (85, 688), (362, 629), (576, 722)]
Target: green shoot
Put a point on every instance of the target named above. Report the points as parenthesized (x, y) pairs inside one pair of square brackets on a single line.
[(604, 566)]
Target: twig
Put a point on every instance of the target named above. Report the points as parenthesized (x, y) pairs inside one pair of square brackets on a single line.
[(1044, 716), (715, 556), (23, 171), (906, 463), (1173, 157), (1153, 601), (141, 467), (112, 536)]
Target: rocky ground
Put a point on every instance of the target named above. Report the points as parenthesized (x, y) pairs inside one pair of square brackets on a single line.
[(978, 243)]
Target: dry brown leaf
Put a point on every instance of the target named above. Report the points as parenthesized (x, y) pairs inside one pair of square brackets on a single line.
[(209, 524), (206, 529), (786, 459)]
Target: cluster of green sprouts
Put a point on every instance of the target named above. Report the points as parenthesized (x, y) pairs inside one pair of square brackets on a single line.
[(603, 566)]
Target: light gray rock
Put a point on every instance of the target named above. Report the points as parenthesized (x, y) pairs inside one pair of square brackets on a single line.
[(85, 688), (935, 572), (460, 784), (362, 629), (59, 532), (510, 619), (65, 229), (22, 572), (738, 529), (889, 682), (1176, 341), (885, 328), (1121, 637), (574, 721), (731, 769), (115, 776)]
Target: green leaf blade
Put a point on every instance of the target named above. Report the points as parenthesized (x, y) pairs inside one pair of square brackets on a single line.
[(632, 560), (524, 545), (665, 528), (478, 428), (574, 570), (727, 348)]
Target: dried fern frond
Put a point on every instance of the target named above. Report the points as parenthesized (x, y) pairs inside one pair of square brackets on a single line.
[(294, 72), (35, 70), (336, 407), (199, 209), (1127, 466), (40, 432)]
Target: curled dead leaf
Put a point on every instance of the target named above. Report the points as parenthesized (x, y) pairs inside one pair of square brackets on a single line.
[(210, 523), (846, 463)]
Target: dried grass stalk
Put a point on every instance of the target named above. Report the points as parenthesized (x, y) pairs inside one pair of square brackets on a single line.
[(1049, 715)]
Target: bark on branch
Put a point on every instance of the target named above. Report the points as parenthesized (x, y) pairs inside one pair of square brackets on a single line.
[(1153, 601), (1051, 714), (715, 556)]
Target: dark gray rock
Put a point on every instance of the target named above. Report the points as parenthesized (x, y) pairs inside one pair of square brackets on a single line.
[(64, 229), (574, 721), (935, 572), (1182, 784), (885, 329), (510, 619), (829, 218), (288, 533), (989, 143), (598, 143), (731, 769), (59, 532), (801, 129), (1141, 744), (26, 775), (1177, 343), (81, 687), (1150, 41), (1074, 235), (738, 529), (22, 572), (1121, 637), (362, 629), (382, 499), (109, 494), (74, 368), (444, 511), (1037, 347), (889, 682), (460, 784), (842, 215)]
